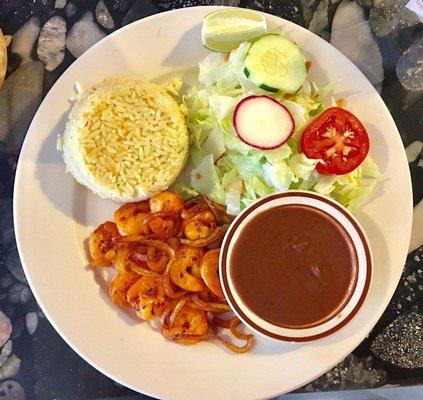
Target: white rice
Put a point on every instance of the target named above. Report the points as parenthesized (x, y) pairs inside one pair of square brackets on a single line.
[(126, 139)]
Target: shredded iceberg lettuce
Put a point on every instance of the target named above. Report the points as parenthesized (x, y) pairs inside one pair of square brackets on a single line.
[(185, 191), (235, 174), (301, 166), (205, 180), (279, 176)]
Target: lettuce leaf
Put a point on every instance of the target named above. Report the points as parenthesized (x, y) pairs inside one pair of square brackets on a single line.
[(299, 113), (353, 189), (324, 92), (233, 201), (205, 180), (258, 187), (213, 70), (185, 191), (272, 156), (246, 166), (222, 106), (214, 144), (301, 166), (235, 144), (325, 183), (229, 177), (279, 175)]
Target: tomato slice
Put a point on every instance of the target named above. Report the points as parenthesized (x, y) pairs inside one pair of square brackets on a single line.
[(338, 138)]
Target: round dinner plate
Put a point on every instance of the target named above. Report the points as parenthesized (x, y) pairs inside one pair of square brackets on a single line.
[(54, 216)]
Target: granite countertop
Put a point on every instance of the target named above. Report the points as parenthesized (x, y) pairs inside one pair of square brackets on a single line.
[(384, 38)]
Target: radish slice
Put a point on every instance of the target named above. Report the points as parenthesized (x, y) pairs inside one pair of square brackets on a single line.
[(263, 122)]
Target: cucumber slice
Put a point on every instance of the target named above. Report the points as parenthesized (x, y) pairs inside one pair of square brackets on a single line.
[(275, 64)]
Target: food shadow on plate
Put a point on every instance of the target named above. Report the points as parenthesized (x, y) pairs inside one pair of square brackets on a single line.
[(103, 276), (184, 65), (381, 156), (50, 168), (182, 53), (70, 198), (80, 201), (378, 286), (380, 153), (316, 72), (380, 278), (269, 347)]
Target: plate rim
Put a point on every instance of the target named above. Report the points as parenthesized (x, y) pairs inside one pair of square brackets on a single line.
[(19, 175)]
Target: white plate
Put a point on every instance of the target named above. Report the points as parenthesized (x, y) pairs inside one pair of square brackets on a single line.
[(53, 215)]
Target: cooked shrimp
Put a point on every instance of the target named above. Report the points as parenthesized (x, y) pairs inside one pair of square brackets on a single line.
[(193, 256), (185, 269), (147, 297), (209, 272), (133, 259), (120, 286), (194, 210), (156, 260), (131, 218), (170, 290), (188, 324), (165, 268), (101, 243), (163, 226), (166, 202), (173, 243), (200, 226)]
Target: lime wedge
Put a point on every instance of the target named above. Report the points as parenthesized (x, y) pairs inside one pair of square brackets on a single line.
[(226, 29)]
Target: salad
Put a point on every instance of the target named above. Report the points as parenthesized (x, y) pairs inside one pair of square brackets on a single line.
[(259, 125)]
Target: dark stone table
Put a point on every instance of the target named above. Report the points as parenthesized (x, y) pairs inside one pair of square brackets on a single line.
[(382, 37)]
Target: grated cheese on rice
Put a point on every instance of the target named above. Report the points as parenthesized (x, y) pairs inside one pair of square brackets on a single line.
[(126, 139)]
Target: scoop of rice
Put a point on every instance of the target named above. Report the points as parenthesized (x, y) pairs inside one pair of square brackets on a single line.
[(126, 139)]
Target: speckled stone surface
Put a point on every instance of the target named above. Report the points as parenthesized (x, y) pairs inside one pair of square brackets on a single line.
[(48, 35)]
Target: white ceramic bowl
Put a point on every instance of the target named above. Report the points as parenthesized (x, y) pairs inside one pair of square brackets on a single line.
[(358, 293)]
